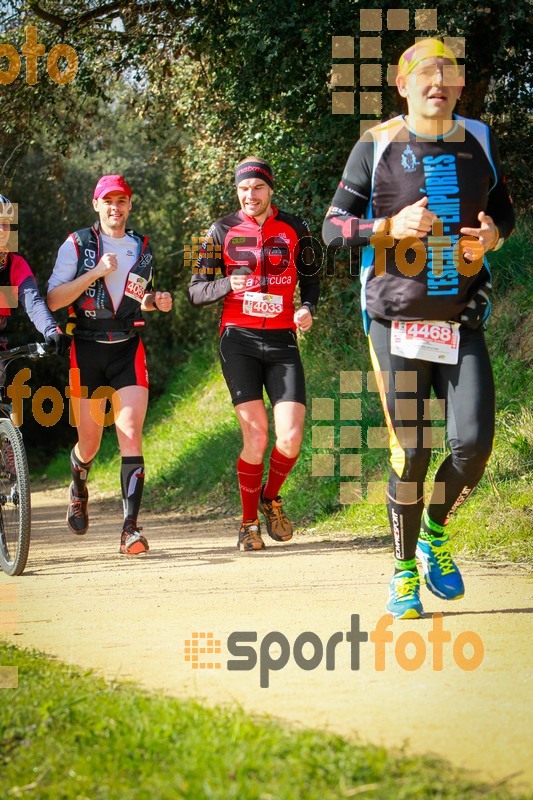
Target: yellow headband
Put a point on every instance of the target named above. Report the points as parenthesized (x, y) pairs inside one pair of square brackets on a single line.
[(425, 48)]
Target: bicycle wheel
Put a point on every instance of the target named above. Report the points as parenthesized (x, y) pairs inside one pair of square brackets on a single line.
[(15, 503)]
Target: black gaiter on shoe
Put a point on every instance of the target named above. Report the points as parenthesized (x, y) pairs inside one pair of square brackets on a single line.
[(80, 472), (132, 483)]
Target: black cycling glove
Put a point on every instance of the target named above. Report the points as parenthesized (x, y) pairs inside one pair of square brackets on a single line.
[(476, 312), (60, 342)]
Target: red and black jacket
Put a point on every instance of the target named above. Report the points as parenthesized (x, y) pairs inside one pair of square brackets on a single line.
[(279, 256)]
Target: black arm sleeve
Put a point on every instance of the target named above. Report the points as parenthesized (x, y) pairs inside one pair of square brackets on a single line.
[(344, 225), (35, 307), (500, 206), (308, 263), (203, 288)]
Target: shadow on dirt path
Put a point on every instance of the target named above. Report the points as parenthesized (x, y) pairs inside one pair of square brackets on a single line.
[(130, 619)]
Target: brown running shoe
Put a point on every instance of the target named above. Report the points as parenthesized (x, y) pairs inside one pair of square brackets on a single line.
[(250, 536), (279, 526)]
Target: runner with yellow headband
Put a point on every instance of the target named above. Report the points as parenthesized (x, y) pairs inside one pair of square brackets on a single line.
[(418, 52), (432, 176)]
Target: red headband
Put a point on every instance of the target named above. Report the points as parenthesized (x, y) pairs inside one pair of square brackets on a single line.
[(254, 169)]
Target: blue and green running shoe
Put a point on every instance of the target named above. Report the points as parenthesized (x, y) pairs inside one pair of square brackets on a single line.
[(440, 571), (404, 595)]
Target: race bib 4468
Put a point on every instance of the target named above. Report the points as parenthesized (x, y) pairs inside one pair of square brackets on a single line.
[(426, 339)]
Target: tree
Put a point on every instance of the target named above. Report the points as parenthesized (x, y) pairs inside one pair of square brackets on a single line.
[(174, 93), (254, 60)]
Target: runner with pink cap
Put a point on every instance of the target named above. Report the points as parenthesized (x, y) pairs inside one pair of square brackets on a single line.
[(104, 275)]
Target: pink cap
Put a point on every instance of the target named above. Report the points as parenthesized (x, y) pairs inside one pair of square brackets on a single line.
[(111, 183)]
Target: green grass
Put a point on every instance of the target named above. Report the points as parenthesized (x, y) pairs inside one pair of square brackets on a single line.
[(67, 735), (192, 440)]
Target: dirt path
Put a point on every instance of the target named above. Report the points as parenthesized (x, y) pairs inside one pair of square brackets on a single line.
[(130, 618)]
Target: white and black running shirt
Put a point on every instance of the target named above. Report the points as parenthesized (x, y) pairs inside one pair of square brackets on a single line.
[(391, 167)]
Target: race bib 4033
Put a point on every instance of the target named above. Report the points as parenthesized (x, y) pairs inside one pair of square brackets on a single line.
[(257, 304)]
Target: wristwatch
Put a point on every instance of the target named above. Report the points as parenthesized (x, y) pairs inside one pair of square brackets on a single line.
[(310, 306), (382, 225)]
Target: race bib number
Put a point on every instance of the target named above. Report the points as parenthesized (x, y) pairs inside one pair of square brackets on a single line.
[(427, 340), (257, 304), (136, 287)]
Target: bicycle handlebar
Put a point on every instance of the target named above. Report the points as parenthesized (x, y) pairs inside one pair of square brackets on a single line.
[(31, 350)]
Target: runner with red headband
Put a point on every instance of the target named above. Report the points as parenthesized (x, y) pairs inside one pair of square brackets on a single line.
[(263, 255)]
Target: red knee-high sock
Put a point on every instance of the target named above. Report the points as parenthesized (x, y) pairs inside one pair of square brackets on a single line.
[(250, 480), (280, 466)]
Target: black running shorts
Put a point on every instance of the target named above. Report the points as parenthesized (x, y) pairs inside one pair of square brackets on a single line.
[(252, 359), (95, 364)]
